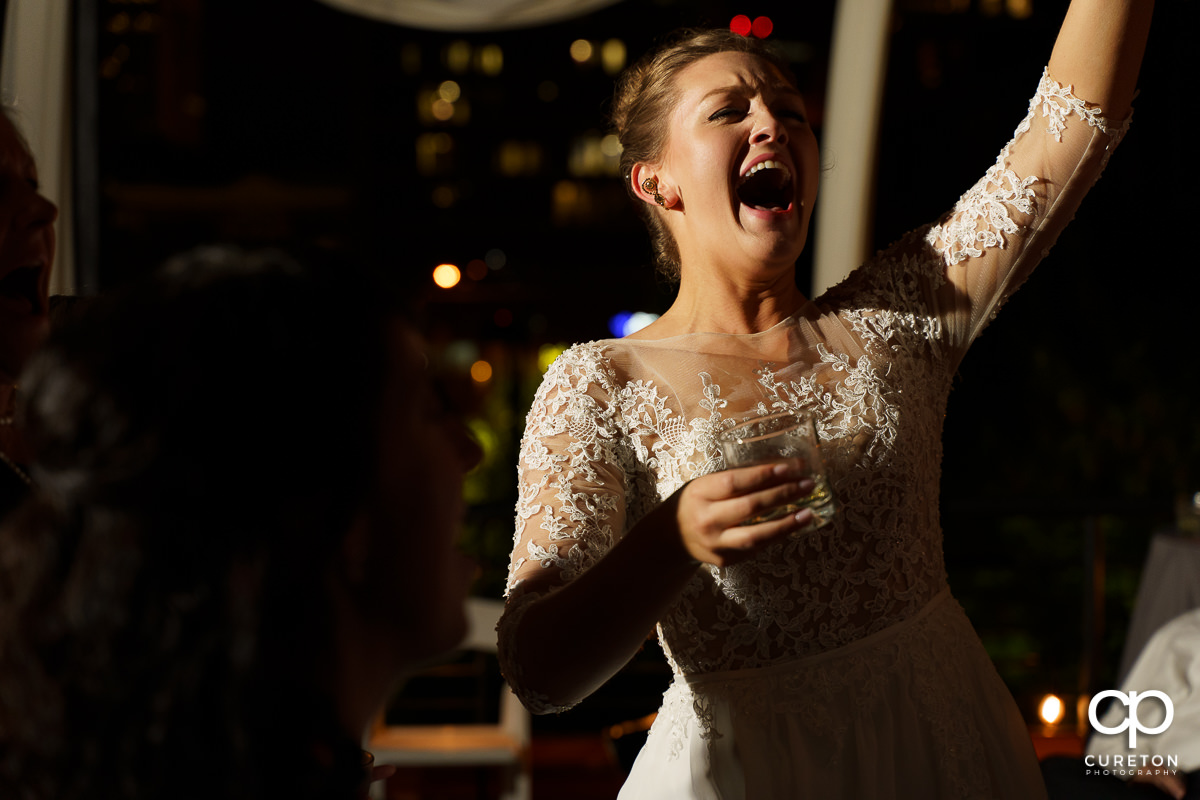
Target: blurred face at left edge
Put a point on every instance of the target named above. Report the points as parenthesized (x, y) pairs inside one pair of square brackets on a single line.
[(26, 253), (420, 577)]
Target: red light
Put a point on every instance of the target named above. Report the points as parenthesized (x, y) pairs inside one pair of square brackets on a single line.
[(762, 27), (740, 25)]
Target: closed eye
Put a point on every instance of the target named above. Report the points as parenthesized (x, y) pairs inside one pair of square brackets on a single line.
[(725, 113)]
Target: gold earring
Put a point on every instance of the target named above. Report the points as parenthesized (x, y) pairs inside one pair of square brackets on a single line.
[(650, 185)]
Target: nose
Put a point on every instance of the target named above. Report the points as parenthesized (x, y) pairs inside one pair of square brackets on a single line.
[(768, 128)]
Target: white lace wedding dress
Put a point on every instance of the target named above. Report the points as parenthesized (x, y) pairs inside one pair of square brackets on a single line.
[(836, 664)]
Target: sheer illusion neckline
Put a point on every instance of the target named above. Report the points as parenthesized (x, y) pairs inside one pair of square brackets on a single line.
[(787, 322)]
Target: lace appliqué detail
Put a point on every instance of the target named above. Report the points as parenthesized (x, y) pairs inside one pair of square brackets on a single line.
[(578, 528), (982, 218), (1058, 102)]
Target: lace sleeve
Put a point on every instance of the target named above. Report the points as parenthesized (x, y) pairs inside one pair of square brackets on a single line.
[(1006, 223), (571, 496), (949, 279)]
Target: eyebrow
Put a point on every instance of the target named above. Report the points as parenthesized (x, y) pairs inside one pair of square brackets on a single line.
[(782, 87)]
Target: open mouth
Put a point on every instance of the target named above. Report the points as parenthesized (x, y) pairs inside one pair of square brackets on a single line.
[(22, 284), (767, 185)]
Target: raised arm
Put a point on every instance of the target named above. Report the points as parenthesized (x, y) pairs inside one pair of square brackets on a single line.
[(1099, 51), (1003, 226)]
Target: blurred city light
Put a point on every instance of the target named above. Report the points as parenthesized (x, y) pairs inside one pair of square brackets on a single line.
[(433, 107), (594, 154), (461, 354), (581, 51), (612, 56), (516, 158), (432, 152), (489, 59), (624, 323), (449, 91), (477, 269), (481, 371), (442, 110), (495, 259), (610, 146), (547, 353), (444, 196), (446, 276), (457, 56)]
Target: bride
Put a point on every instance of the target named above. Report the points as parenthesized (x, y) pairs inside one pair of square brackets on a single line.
[(828, 662)]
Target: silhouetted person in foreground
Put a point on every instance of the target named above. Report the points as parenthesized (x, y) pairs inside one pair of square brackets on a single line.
[(249, 496)]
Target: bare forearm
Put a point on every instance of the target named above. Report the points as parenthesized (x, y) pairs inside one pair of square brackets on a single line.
[(1099, 51)]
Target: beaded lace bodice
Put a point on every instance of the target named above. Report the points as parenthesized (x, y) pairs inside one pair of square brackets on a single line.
[(619, 425)]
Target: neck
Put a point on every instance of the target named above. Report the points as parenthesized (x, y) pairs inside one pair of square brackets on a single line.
[(364, 670), (725, 306)]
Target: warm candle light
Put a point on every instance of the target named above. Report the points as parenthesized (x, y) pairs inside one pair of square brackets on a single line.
[(1051, 709)]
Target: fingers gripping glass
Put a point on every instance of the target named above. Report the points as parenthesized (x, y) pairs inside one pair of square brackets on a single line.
[(783, 435)]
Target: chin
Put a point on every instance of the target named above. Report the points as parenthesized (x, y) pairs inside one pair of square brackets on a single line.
[(784, 256)]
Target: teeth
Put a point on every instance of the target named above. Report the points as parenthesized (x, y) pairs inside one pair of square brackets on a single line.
[(767, 165)]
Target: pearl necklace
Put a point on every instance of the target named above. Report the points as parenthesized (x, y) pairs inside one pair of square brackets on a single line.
[(12, 464)]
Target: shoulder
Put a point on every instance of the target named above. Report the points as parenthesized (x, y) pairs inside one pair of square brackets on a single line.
[(895, 277), (582, 373), (579, 366)]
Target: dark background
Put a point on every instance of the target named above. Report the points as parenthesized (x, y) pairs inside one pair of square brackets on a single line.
[(1074, 425)]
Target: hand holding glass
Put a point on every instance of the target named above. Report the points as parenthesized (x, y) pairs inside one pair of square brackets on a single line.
[(775, 437)]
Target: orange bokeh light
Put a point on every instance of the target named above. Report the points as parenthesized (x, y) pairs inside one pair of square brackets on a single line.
[(446, 275), (481, 372)]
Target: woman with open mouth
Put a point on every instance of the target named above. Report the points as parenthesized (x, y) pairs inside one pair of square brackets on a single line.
[(810, 660)]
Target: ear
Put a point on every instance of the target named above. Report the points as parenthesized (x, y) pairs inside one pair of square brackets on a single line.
[(643, 172)]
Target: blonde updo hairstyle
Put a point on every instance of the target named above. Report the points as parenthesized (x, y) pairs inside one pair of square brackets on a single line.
[(646, 95)]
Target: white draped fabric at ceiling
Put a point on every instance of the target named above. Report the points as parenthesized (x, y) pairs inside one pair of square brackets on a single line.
[(470, 15), (36, 69)]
